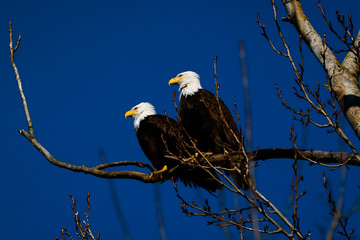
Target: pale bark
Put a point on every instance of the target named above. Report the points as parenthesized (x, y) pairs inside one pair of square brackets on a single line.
[(343, 77)]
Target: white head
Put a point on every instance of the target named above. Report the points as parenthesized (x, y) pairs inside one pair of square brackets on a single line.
[(140, 111), (189, 83)]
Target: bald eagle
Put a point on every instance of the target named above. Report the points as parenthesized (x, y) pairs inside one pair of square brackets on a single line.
[(208, 121), (159, 136)]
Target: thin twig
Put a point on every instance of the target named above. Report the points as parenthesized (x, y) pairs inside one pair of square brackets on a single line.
[(18, 79)]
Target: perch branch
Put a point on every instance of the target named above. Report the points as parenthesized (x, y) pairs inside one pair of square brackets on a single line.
[(96, 171), (314, 156)]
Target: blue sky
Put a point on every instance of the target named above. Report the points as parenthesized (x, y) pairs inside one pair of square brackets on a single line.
[(84, 64)]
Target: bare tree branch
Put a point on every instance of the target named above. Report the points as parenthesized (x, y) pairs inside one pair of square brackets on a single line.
[(143, 177), (12, 58), (344, 82), (226, 218), (314, 156), (342, 220), (339, 206), (82, 227)]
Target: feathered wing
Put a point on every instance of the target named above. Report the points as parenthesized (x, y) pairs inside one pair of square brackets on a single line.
[(210, 123), (159, 136)]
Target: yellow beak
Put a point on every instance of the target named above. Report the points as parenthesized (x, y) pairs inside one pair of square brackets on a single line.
[(174, 80), (130, 113)]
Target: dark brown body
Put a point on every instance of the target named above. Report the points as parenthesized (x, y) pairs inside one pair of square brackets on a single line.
[(210, 123), (158, 136)]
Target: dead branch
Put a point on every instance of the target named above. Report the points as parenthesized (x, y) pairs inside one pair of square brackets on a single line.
[(339, 206), (227, 217), (314, 156), (82, 227), (342, 220), (297, 180), (12, 58)]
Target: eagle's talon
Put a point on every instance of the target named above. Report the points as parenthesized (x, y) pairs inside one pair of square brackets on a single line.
[(158, 174), (206, 154)]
